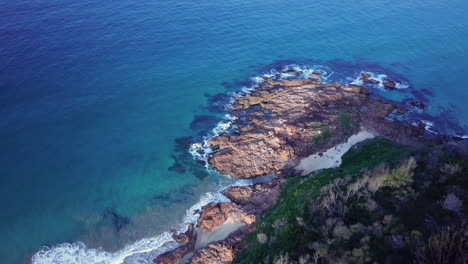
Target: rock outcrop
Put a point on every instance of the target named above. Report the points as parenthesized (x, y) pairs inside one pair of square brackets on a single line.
[(188, 240), (215, 214), (389, 84), (247, 203), (222, 252), (255, 198), (281, 122), (367, 78), (287, 119)]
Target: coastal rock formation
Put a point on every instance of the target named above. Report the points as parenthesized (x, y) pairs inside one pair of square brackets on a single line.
[(184, 238), (285, 120), (173, 257), (222, 251), (366, 78), (255, 198), (215, 214), (278, 124), (247, 203), (389, 84)]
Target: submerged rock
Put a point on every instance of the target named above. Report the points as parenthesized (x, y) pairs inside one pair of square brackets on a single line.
[(389, 84), (316, 75), (418, 104), (367, 78)]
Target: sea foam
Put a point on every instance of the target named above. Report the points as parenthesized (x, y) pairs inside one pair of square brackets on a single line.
[(378, 77), (78, 253)]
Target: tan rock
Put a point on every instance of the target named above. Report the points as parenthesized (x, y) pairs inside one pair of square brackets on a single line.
[(274, 143), (255, 198), (316, 75), (174, 256), (215, 214), (221, 252)]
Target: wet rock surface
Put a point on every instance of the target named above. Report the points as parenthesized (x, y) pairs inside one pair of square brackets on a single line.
[(188, 240), (367, 78), (389, 84), (184, 238)]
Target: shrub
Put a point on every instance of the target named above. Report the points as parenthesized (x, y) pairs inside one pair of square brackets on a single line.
[(342, 232), (402, 175), (262, 238), (283, 259), (377, 178), (446, 247), (450, 169)]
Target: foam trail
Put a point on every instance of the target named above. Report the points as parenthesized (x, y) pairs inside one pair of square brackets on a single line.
[(78, 253)]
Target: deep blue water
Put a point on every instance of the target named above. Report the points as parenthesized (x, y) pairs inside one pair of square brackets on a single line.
[(98, 99)]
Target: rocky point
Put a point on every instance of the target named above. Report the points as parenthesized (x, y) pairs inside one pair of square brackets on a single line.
[(281, 122)]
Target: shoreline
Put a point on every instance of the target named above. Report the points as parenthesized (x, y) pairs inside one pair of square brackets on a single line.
[(249, 151), (201, 151)]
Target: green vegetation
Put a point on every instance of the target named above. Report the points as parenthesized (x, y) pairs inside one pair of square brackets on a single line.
[(325, 135), (342, 125), (385, 203), (345, 122)]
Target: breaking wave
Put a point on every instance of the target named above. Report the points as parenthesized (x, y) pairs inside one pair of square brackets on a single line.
[(141, 251), (380, 77)]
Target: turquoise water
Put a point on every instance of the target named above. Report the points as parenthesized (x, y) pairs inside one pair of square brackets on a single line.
[(98, 99)]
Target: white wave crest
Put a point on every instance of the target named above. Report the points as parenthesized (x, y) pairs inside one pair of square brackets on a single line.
[(429, 126), (78, 253), (202, 150), (378, 77)]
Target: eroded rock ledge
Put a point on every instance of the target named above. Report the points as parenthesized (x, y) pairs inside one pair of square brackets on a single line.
[(286, 120)]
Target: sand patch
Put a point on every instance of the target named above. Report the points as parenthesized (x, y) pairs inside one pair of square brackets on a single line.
[(219, 233), (332, 157)]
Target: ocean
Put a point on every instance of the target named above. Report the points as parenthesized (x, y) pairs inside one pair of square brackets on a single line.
[(101, 101)]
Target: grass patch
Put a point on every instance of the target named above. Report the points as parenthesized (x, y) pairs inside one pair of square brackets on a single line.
[(345, 121), (282, 223)]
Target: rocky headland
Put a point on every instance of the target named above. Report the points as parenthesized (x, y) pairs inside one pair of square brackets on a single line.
[(280, 123), (283, 121)]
